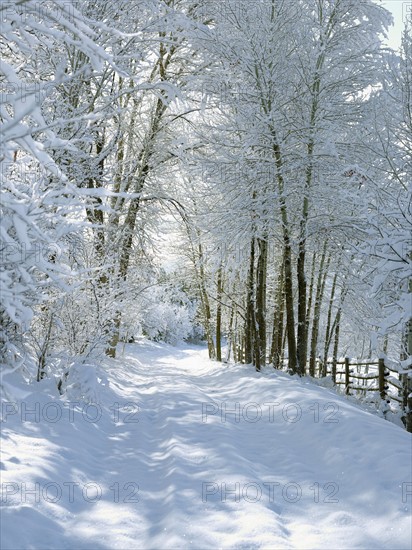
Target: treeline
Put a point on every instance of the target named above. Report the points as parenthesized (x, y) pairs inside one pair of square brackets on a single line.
[(272, 139)]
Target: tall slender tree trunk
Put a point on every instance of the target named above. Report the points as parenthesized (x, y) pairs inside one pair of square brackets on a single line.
[(231, 335), (219, 315), (303, 310), (336, 344), (125, 253), (289, 302), (336, 324), (316, 313), (261, 303), (301, 333), (328, 334), (277, 333), (207, 316), (287, 261), (310, 301), (250, 326), (283, 347)]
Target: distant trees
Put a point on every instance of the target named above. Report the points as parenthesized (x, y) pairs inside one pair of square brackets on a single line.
[(288, 93), (390, 212), (268, 131)]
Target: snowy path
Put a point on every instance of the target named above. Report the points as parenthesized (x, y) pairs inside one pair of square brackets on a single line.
[(292, 466)]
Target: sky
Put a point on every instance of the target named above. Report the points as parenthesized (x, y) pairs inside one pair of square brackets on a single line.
[(399, 9)]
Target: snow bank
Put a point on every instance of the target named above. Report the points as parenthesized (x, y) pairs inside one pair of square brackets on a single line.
[(180, 452)]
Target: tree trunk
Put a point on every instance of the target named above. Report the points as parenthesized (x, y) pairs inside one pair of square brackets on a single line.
[(287, 262), (283, 347), (261, 304), (250, 308), (143, 168), (301, 343), (309, 304), (328, 334), (277, 334), (207, 316), (336, 345), (290, 316), (230, 334), (219, 315), (316, 312)]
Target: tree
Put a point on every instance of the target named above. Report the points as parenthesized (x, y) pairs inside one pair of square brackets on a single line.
[(291, 92), (36, 192)]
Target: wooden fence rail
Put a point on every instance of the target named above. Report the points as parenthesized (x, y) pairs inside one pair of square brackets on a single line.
[(384, 379)]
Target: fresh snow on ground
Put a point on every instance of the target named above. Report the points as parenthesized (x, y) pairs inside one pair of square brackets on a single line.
[(154, 465)]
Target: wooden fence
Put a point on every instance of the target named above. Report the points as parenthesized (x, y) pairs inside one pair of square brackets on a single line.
[(384, 379)]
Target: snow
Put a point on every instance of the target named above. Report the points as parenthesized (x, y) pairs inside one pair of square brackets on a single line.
[(150, 460)]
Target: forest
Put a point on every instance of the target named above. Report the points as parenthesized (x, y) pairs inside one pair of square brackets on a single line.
[(227, 171), (206, 274)]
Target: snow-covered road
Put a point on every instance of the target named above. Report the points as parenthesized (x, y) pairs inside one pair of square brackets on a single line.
[(183, 453)]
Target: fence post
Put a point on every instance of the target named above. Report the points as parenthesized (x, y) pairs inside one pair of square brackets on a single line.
[(320, 367), (408, 416), (347, 375), (325, 368), (407, 401), (381, 371)]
